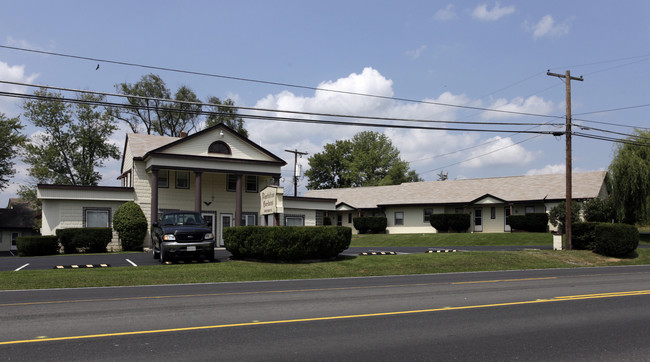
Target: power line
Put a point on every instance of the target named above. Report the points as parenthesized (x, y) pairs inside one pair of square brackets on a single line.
[(250, 80)]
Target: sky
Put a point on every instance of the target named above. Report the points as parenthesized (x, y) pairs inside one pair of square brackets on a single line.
[(419, 60)]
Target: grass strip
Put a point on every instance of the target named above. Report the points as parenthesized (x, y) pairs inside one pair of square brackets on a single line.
[(452, 239), (343, 267)]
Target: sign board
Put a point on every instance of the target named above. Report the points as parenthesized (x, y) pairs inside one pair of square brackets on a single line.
[(271, 200)]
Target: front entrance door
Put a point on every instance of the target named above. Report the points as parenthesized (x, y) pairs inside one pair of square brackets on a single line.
[(14, 236), (478, 219), (226, 222), (506, 214)]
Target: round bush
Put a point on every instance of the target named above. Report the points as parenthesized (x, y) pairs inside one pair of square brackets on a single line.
[(616, 239), (131, 225)]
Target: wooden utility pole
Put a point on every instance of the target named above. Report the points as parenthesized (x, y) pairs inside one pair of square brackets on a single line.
[(295, 174), (569, 168)]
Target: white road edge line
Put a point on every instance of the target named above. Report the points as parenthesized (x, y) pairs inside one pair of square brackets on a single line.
[(22, 267), (132, 263)]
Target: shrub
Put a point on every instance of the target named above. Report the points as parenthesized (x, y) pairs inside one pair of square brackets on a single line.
[(287, 243), (536, 222), (599, 210), (557, 215), (66, 239), (37, 245), (327, 221), (371, 224), (131, 225), (616, 239), (88, 240), (450, 222), (583, 235)]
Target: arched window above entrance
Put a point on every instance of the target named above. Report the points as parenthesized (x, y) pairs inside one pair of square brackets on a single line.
[(219, 147)]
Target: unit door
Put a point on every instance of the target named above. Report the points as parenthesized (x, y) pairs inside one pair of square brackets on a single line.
[(226, 222), (478, 219), (506, 213)]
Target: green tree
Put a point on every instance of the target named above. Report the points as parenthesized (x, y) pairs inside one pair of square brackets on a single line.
[(368, 159), (599, 210), (225, 112), (73, 141), (181, 115), (148, 108), (10, 141), (557, 215), (630, 179)]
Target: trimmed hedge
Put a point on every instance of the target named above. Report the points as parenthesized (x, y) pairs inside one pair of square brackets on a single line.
[(85, 240), (616, 239), (535, 222), (286, 243), (444, 223), (131, 225), (370, 224), (604, 238), (37, 245), (583, 235)]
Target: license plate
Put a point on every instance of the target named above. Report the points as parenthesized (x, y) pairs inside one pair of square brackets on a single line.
[(191, 248)]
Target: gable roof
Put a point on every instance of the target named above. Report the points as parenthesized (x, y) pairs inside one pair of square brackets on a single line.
[(510, 189), (18, 215), (143, 145)]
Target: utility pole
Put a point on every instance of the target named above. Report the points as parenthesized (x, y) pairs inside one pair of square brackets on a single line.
[(295, 164), (569, 168)]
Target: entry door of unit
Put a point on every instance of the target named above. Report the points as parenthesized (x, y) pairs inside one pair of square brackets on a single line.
[(226, 222), (14, 237), (506, 214), (478, 219)]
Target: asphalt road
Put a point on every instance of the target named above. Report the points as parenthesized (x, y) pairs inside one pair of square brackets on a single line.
[(561, 314)]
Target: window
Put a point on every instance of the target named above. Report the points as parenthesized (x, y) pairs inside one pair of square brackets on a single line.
[(219, 147), (530, 209), (248, 219), (339, 220), (231, 183), (350, 218), (96, 217), (426, 214), (294, 220), (493, 213), (399, 218), (163, 178), (251, 183), (182, 179)]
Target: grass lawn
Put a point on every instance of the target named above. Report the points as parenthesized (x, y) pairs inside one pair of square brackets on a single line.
[(343, 267), (452, 239)]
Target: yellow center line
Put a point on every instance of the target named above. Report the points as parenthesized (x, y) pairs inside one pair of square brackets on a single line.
[(503, 280), (353, 316)]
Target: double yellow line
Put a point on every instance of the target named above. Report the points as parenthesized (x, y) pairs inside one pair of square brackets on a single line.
[(286, 321)]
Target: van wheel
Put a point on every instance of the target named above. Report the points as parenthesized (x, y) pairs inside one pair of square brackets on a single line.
[(156, 253), (163, 258)]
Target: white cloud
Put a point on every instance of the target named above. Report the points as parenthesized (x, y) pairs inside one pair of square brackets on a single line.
[(448, 13), (481, 12), (548, 169), (547, 26), (415, 54), (500, 152), (532, 104), (13, 73)]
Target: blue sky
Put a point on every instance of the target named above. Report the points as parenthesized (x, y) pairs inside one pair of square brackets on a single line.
[(472, 53)]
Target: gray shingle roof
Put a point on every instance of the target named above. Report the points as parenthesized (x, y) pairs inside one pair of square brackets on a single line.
[(142, 143), (511, 189)]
